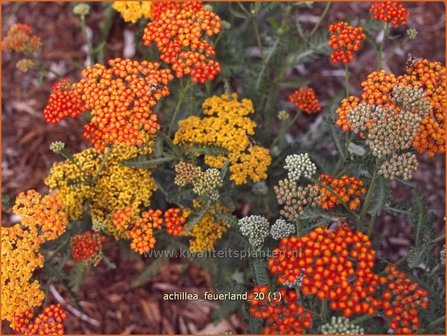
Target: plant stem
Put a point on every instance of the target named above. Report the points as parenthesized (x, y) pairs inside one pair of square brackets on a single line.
[(105, 30), (183, 91), (347, 79), (323, 312), (371, 224), (87, 41), (42, 65), (431, 325), (386, 31), (369, 194), (362, 319), (320, 20)]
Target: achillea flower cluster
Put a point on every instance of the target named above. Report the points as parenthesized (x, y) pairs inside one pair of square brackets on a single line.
[(20, 39), (179, 33), (387, 131), (305, 99), (42, 220), (132, 11), (24, 64), (142, 229), (281, 229), (205, 183), (255, 228), (345, 40), (226, 124), (432, 78), (347, 188), (104, 181), (284, 316), (87, 247), (402, 300), (121, 98), (341, 326), (403, 165), (330, 259), (295, 198), (63, 102), (390, 11), (175, 220), (299, 165), (207, 231), (420, 92), (48, 323)]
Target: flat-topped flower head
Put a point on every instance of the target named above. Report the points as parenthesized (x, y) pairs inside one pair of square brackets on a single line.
[(63, 102), (390, 11), (87, 246), (255, 228), (299, 165), (305, 99), (20, 39), (345, 40)]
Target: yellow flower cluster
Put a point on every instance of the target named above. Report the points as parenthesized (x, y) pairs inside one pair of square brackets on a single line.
[(132, 11), (41, 220), (226, 124), (207, 231), (101, 179)]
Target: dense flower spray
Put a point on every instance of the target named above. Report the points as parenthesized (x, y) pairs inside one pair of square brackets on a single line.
[(41, 220), (349, 189), (345, 40), (20, 39), (226, 124), (305, 99), (390, 11), (87, 247), (179, 32), (63, 102), (47, 323), (132, 11)]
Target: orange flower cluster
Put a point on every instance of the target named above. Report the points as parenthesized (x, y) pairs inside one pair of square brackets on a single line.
[(304, 98), (338, 265), (283, 316), (349, 189), (178, 32), (63, 102), (377, 90), (20, 39), (432, 77), (120, 98), (345, 40), (401, 300), (48, 323), (142, 231), (390, 11), (175, 221), (86, 245)]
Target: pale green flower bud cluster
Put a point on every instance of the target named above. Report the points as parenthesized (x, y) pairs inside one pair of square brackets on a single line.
[(283, 115), (411, 100), (299, 165), (57, 147), (81, 9), (255, 228), (403, 165), (24, 65), (442, 256), (341, 326), (387, 130), (207, 183), (412, 33), (204, 184), (295, 198), (281, 229), (98, 226)]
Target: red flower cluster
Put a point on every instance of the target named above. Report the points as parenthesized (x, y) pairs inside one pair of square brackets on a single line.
[(338, 266), (175, 221), (390, 11), (178, 32), (121, 98), (305, 99), (349, 189), (345, 40), (47, 323), (63, 102), (283, 316), (142, 231), (86, 245), (20, 39), (401, 300)]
